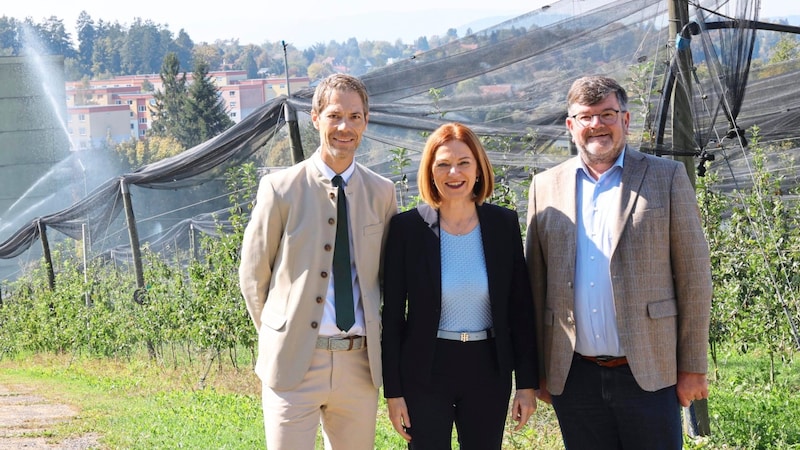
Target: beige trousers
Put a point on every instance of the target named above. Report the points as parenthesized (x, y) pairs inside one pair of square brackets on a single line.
[(337, 392)]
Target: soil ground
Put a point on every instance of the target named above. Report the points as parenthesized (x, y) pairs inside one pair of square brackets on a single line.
[(23, 415)]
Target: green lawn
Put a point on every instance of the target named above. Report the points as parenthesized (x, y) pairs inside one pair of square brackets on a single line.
[(139, 404)]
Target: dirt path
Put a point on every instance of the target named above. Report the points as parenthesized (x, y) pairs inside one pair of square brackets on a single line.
[(22, 413)]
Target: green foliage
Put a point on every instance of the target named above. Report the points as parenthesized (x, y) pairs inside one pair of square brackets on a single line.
[(437, 95), (140, 152), (170, 102), (747, 409), (189, 113), (511, 182), (753, 237), (400, 161), (192, 301), (205, 107)]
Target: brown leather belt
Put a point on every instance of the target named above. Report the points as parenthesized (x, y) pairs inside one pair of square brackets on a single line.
[(606, 361)]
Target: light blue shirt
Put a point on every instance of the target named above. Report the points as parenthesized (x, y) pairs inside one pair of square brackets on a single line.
[(465, 285), (598, 203)]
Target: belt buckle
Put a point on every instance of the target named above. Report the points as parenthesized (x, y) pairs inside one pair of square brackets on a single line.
[(464, 337), (606, 358)]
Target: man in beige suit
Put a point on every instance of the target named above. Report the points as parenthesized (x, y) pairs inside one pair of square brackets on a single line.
[(314, 368), (621, 282)]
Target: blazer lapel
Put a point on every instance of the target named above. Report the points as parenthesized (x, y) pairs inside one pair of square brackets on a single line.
[(564, 192), (633, 170), (431, 245), (491, 249)]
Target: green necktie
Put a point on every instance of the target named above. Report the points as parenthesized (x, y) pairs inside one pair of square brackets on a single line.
[(342, 278)]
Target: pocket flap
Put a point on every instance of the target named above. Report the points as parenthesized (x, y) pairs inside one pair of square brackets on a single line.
[(662, 308), (272, 320)]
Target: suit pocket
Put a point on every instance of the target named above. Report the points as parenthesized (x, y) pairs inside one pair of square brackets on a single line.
[(662, 308), (376, 228), (272, 320)]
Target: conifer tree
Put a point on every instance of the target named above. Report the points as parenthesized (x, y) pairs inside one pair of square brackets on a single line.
[(205, 109), (171, 101)]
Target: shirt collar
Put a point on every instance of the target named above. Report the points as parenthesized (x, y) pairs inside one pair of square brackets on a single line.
[(316, 159)]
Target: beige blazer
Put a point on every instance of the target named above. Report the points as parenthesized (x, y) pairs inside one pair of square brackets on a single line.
[(287, 253), (660, 270)]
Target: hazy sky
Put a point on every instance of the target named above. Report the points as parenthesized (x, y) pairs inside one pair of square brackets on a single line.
[(303, 23)]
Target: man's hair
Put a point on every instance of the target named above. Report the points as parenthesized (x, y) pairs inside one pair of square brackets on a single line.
[(338, 82), (594, 89), (454, 132)]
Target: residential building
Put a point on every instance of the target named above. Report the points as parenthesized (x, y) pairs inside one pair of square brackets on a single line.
[(120, 108)]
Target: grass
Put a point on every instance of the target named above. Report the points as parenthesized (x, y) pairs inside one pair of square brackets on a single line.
[(139, 404)]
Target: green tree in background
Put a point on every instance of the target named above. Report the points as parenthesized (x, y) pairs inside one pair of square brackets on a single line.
[(205, 109), (86, 38), (171, 102), (189, 113)]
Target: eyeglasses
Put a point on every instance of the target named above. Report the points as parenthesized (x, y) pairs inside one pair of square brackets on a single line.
[(607, 117)]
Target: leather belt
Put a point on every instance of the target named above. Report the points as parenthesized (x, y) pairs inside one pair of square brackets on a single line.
[(466, 336), (341, 344), (606, 361)]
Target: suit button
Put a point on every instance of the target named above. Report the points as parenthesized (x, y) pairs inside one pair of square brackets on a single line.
[(332, 195), (331, 221), (314, 325), (327, 247), (319, 299), (324, 274), (569, 284)]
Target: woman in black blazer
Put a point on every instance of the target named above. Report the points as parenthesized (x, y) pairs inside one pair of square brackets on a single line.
[(458, 315)]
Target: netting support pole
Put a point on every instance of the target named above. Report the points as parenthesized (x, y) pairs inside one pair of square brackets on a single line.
[(86, 245), (133, 234), (695, 418), (48, 259), (294, 133)]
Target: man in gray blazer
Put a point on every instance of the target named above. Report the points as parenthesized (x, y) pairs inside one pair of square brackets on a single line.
[(313, 367), (621, 282)]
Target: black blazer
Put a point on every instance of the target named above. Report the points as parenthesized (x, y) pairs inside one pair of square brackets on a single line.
[(412, 296)]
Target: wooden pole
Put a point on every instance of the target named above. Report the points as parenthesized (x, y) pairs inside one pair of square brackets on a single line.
[(294, 133), (696, 421), (48, 259), (133, 234)]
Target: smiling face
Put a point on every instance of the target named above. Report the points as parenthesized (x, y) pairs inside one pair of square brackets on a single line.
[(341, 123), (599, 143), (454, 172)]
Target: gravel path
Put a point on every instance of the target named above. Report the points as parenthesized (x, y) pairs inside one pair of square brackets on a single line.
[(22, 413)]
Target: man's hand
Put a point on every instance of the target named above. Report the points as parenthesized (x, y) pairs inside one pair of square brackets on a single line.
[(542, 393), (691, 386)]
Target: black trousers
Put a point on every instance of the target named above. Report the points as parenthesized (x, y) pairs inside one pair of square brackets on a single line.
[(604, 408), (467, 390)]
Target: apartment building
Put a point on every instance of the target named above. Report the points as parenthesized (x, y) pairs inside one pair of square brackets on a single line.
[(119, 109)]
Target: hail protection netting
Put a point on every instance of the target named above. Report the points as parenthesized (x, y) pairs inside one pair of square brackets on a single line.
[(508, 82)]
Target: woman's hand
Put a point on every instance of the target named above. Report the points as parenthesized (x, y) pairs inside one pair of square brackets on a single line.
[(523, 407), (398, 414)]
